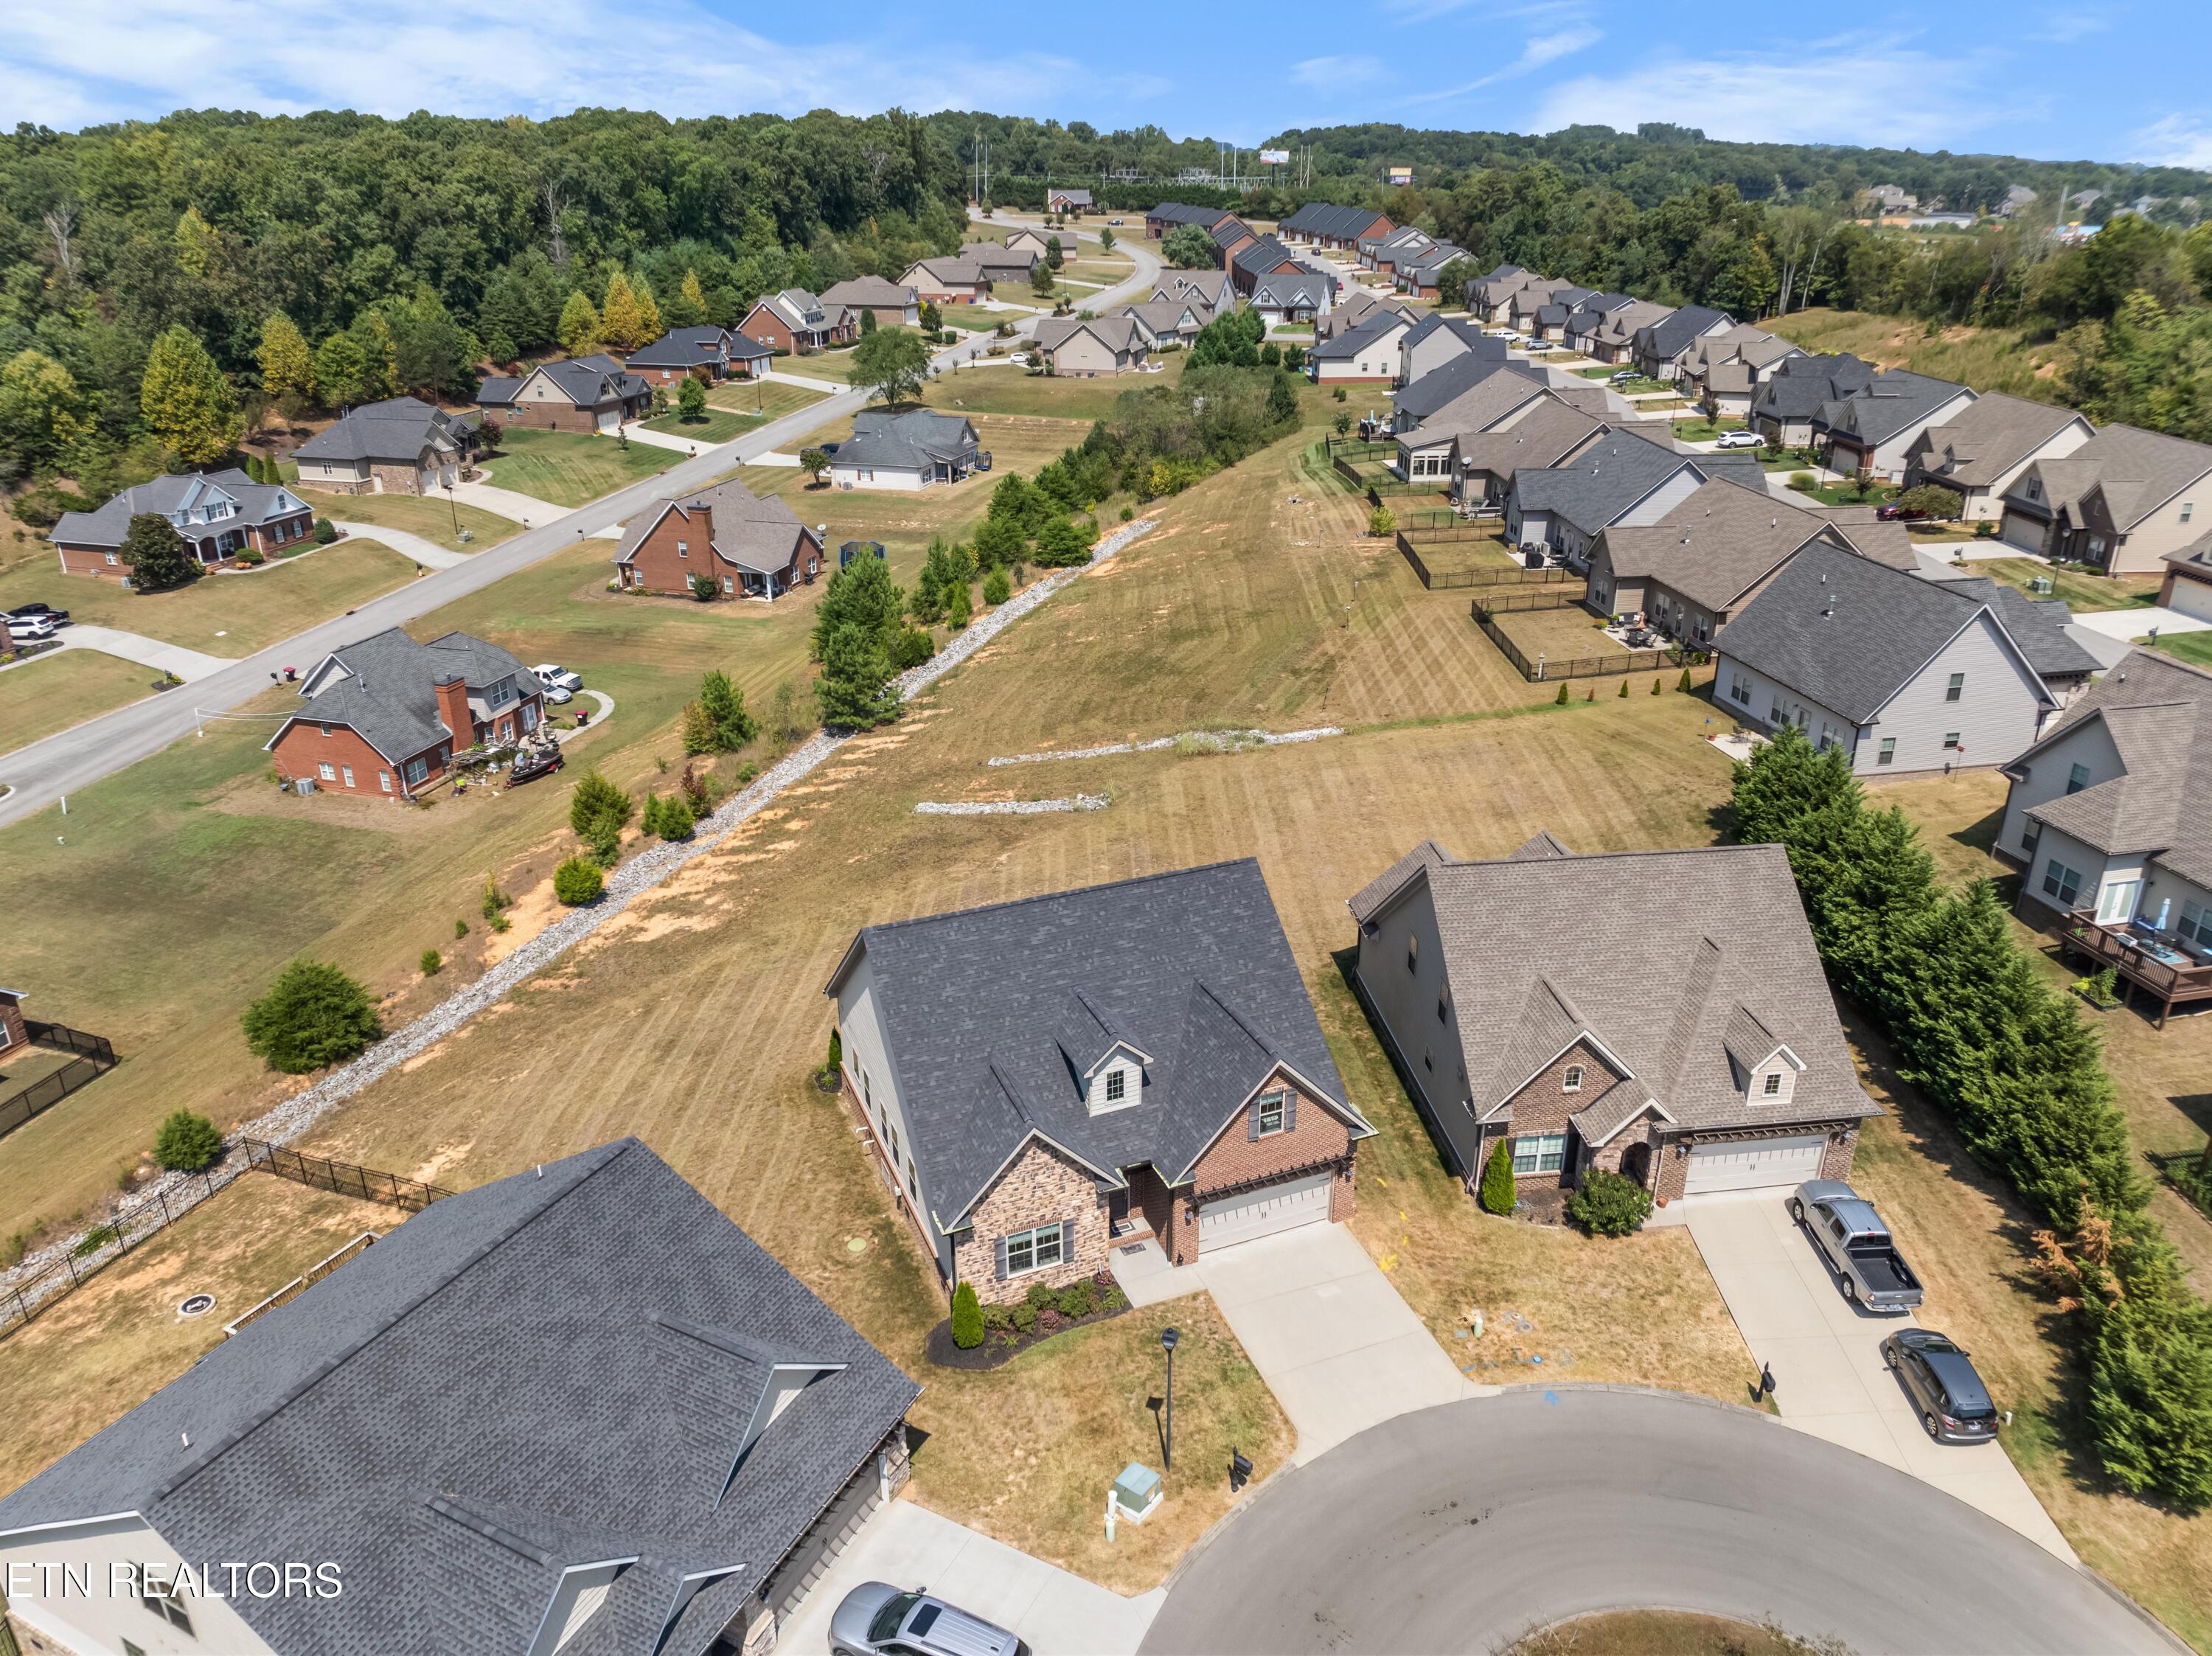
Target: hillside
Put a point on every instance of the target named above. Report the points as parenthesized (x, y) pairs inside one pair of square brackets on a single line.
[(1987, 359)]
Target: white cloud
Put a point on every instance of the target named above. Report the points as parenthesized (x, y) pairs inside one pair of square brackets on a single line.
[(1844, 90), (2176, 141), (1423, 11), (1334, 73), (1535, 54), (2063, 26), (99, 59)]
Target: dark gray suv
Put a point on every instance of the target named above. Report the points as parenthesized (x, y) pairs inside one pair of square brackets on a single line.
[(1954, 1405)]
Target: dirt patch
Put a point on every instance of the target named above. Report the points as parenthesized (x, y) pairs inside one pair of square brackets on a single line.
[(256, 796), (533, 911)]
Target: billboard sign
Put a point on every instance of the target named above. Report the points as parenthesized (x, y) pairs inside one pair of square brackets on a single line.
[(1274, 158)]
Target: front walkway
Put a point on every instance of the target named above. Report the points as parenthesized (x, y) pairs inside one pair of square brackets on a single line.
[(1052, 1611), (1338, 1347), (525, 509), (638, 434), (1826, 1352)]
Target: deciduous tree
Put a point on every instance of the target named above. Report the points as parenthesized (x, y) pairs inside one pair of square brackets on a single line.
[(188, 404)]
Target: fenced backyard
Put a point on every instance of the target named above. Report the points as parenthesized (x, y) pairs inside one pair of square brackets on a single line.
[(1451, 553), (92, 1057), (1546, 666)]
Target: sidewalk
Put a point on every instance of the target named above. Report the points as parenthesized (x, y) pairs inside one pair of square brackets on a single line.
[(428, 554)]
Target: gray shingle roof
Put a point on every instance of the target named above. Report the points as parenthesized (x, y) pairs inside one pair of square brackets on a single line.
[(1541, 437), (1605, 480), (1379, 326), (1480, 406), (1212, 289), (1175, 212), (1671, 334), (1848, 633), (2134, 471), (869, 293), (552, 1369), (1797, 389), (1293, 289), (995, 256), (1715, 544), (1539, 948), (383, 689), (755, 532), (681, 347), (107, 523), (1889, 403), (1319, 218), (588, 382), (1454, 379), (1115, 333), (395, 431), (986, 1016), (906, 442)]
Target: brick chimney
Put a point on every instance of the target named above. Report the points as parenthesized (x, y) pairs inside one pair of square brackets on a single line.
[(453, 708)]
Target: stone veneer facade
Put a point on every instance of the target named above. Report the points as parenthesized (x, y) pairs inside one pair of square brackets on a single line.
[(1041, 1185)]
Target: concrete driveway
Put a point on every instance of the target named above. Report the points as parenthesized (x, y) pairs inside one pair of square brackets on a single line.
[(909, 1546), (1336, 1343), (2128, 624), (1829, 1376), (186, 663)]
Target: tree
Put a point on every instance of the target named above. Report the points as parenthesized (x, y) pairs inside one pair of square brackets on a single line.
[(687, 308), (288, 368), (598, 811), (1040, 279), (667, 819), (996, 588), (691, 401), (814, 462), (704, 587), (860, 595), (188, 404), (1342, 423), (966, 1317), (649, 327), (1382, 522), (725, 707), (156, 555), (1606, 1204), (578, 330), (186, 1143), (893, 363), (340, 371), (1189, 248), (933, 320), (855, 688), (867, 322), (1053, 254), (1497, 1193), (314, 1014), (622, 319), (1106, 240), (43, 416), (577, 881), (959, 607), (432, 963), (1282, 399), (1932, 501)]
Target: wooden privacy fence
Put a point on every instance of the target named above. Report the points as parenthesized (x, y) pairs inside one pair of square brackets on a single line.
[(1544, 669), (343, 1177), (95, 1058)]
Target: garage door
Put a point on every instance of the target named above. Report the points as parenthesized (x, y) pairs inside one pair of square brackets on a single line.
[(1263, 1212), (2024, 533), (1754, 1163), (2191, 597)]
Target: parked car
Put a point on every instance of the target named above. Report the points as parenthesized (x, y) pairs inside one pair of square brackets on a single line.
[(1899, 515), (1954, 1405), (1739, 439), (32, 629), (557, 694), (1624, 377), (877, 1617), (31, 611), (1857, 1244), (1117, 223), (1019, 359), (555, 677)]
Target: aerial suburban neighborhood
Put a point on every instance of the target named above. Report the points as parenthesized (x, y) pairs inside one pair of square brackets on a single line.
[(933, 883)]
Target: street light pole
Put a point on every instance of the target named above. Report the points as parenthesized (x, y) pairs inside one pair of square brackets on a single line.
[(1169, 1338)]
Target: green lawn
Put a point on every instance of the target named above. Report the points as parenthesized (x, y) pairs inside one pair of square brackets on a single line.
[(567, 468), (719, 426), (1014, 391), (1703, 431), (435, 518), (2081, 591), (225, 614), (1846, 493), (765, 399), (975, 318), (51, 693), (2195, 648)]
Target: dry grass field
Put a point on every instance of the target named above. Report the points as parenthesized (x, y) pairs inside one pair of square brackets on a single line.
[(53, 692)]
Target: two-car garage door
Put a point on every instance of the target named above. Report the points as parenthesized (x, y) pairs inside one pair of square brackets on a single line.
[(1754, 1163), (1263, 1212)]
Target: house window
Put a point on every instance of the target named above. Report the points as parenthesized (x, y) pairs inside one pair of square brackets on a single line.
[(913, 1183), (2187, 508), (1571, 1082), (161, 1598), (1032, 1250), (112, 559), (1443, 1005), (1540, 1153), (2077, 778), (1117, 1086), (2030, 832), (1888, 754), (1271, 1113), (129, 1649), (384, 780), (683, 549), (326, 730), (417, 770), (348, 769), (1771, 1086), (328, 772), (1958, 688), (2195, 923), (1413, 952), (2062, 882), (729, 587), (1950, 741)]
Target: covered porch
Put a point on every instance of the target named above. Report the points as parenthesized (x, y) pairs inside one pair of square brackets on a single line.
[(2174, 971)]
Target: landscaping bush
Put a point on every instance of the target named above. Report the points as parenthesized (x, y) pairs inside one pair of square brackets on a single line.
[(996, 588), (667, 819), (1040, 1295), (1560, 699), (432, 963), (1023, 1317), (1606, 1204), (598, 811), (1078, 1298), (578, 882), (326, 532), (494, 898), (997, 1319), (311, 1015), (966, 1317), (913, 646), (186, 1142), (1801, 480), (1381, 521), (703, 587), (1497, 1193)]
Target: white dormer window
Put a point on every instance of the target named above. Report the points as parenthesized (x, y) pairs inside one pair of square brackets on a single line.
[(1117, 1085), (1770, 1085), (1571, 1081)]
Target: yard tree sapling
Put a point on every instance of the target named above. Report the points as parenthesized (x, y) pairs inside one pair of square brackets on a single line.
[(959, 608), (996, 588), (313, 1015), (1040, 279), (1497, 1193), (725, 704), (691, 401), (1683, 682), (157, 555), (1106, 241), (1560, 699), (598, 811), (966, 1317), (432, 963), (1053, 254), (1343, 421), (186, 1143), (814, 462)]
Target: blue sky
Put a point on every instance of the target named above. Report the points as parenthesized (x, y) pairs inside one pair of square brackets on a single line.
[(2107, 83)]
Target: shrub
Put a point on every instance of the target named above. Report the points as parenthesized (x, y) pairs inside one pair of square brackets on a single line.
[(1801, 480), (1560, 699), (432, 963), (577, 881), (966, 1317), (1023, 1317), (1497, 1193), (1655, 687), (703, 587), (1606, 1204), (311, 1015), (1381, 521), (1683, 682), (460, 930), (911, 647), (1040, 1295), (598, 811), (998, 1318), (186, 1142), (996, 588), (1078, 1298), (836, 1061), (326, 532), (1127, 513), (494, 898), (1624, 689), (1941, 503), (1113, 1299)]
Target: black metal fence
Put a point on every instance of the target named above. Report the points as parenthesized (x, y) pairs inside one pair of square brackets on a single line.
[(1556, 598), (1410, 542), (343, 1177), (96, 1057), (1544, 669)]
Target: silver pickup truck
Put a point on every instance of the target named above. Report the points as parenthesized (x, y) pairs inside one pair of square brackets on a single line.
[(1857, 1244)]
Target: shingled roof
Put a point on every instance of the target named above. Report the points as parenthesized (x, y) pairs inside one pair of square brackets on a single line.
[(1659, 984), (910, 440), (2132, 471), (987, 1009), (1715, 544), (1887, 404), (1454, 379), (383, 689), (1542, 437), (182, 494), (395, 431), (551, 1370), (755, 532)]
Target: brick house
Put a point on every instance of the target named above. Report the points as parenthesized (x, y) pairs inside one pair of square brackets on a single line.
[(795, 323), (895, 303), (385, 716), (582, 393), (1659, 1014), (219, 513), (705, 352), (748, 546), (1136, 1064), (573, 1409), (1063, 200), (397, 447)]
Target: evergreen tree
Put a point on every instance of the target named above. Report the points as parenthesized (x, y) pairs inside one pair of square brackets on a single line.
[(579, 329), (186, 1143), (187, 403), (867, 323), (1282, 399), (959, 607), (966, 1317), (1055, 255), (1496, 1192), (859, 595), (725, 704), (855, 690), (311, 1015), (156, 555), (288, 369)]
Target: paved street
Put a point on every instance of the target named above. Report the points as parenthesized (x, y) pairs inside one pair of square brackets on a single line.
[(75, 759), (1055, 1613), (1336, 1343), (1458, 1528), (1826, 1352)]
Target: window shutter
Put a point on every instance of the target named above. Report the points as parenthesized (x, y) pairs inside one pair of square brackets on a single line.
[(1000, 1266), (1066, 1241), (1252, 1122), (1289, 1109)]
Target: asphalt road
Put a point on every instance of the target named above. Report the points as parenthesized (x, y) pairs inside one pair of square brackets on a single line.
[(74, 759), (1461, 1527)]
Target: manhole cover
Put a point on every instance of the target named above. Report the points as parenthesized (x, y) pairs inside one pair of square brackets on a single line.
[(856, 1245), (196, 1305)]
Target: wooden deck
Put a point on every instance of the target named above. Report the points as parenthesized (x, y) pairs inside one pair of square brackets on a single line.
[(2127, 953)]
